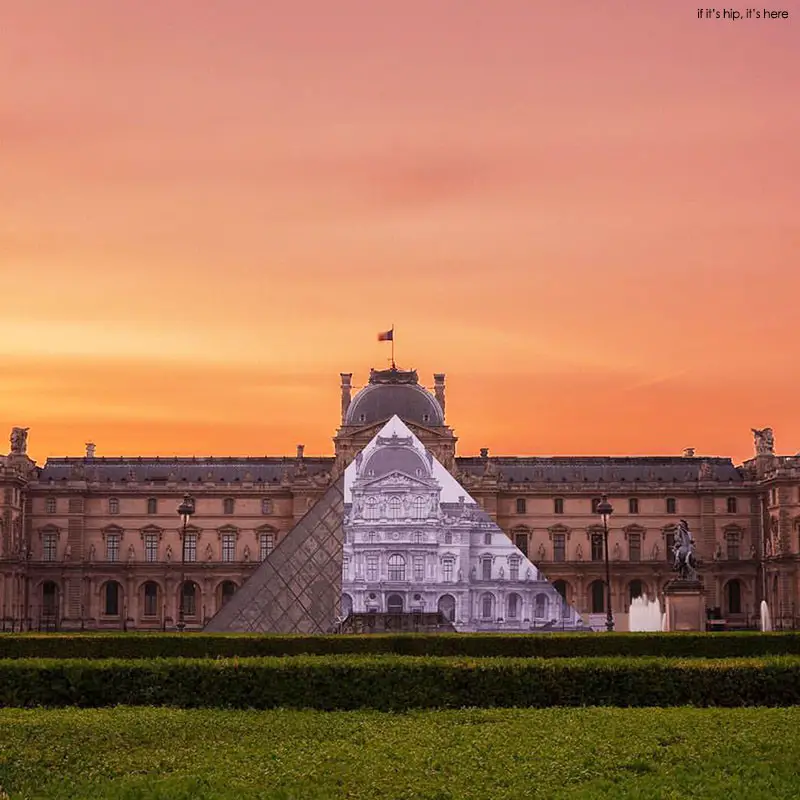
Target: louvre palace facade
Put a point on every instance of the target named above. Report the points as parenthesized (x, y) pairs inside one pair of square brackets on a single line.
[(96, 542)]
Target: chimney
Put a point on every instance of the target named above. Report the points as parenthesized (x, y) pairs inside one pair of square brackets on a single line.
[(346, 378), (688, 452), (484, 452), (300, 449), (90, 448), (438, 389)]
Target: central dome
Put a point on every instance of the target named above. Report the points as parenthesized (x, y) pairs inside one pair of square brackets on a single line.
[(394, 391)]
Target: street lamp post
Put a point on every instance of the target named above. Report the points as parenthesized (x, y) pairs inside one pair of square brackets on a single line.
[(605, 510), (185, 511)]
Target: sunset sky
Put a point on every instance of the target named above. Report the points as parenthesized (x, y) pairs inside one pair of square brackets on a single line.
[(586, 213)]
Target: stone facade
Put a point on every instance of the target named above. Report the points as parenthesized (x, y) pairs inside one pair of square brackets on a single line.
[(95, 542)]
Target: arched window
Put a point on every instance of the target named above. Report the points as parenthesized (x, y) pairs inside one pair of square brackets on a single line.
[(189, 599), (597, 590), (49, 599), (227, 505), (733, 597), (150, 599), (226, 590), (395, 508), (113, 505), (447, 607), (394, 604), (540, 606), (487, 606), (635, 589), (111, 599), (397, 567), (514, 604), (419, 507), (371, 510)]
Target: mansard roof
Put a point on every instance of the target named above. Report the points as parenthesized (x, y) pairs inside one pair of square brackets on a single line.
[(266, 469), (604, 468)]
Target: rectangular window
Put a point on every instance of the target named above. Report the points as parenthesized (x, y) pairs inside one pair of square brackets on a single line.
[(75, 505), (559, 547), (152, 505), (266, 543), (635, 546), (486, 569), (558, 505), (447, 570), (50, 505), (487, 538), (633, 505), (597, 547), (113, 505), (372, 568), (732, 540), (112, 547), (521, 505), (151, 547), (521, 541), (49, 546), (227, 505), (672, 505), (229, 547), (731, 504), (266, 506), (190, 547), (513, 569), (419, 568)]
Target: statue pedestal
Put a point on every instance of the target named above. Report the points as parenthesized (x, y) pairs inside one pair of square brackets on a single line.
[(685, 606)]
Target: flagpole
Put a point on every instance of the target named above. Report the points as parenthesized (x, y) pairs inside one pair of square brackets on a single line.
[(393, 367)]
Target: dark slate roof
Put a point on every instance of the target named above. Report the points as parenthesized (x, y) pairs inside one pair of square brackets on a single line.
[(603, 468), (391, 392), (261, 469)]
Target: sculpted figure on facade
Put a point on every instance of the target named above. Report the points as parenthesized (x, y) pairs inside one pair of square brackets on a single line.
[(19, 441), (684, 563), (655, 552), (131, 554), (764, 441)]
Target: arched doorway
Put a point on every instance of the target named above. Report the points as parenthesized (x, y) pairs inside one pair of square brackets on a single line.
[(150, 596), (447, 607), (514, 606), (347, 605), (487, 606), (111, 598), (227, 589), (733, 597), (635, 589), (597, 593), (394, 604), (188, 599), (49, 600)]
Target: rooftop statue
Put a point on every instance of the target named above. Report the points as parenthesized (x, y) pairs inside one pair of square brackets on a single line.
[(764, 441), (19, 441)]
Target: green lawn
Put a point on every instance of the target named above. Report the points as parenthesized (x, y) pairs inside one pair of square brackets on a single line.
[(481, 754)]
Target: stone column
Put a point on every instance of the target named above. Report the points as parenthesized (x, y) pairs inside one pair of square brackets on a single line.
[(346, 389)]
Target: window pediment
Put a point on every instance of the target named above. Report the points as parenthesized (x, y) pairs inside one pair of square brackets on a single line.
[(112, 530)]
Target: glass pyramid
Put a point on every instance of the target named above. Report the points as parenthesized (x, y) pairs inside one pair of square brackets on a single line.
[(396, 534)]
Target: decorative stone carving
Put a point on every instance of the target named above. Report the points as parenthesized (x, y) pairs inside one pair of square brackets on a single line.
[(209, 552), (131, 554), (246, 553), (685, 563), (655, 552), (617, 552), (541, 554), (764, 441), (92, 554), (168, 553), (579, 552), (19, 441)]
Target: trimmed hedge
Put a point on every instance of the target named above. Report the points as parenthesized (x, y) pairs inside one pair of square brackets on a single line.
[(475, 645), (397, 683)]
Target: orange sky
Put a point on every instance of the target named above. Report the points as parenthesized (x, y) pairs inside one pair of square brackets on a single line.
[(584, 212)]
